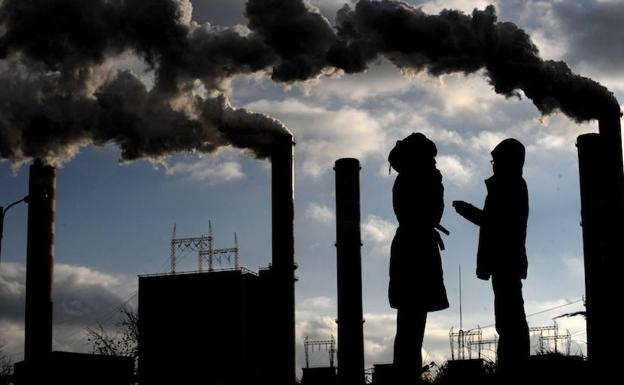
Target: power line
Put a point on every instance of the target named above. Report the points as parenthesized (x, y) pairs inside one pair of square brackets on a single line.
[(556, 307), (539, 312), (69, 338)]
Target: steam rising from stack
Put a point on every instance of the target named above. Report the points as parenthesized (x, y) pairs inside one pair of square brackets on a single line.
[(60, 91)]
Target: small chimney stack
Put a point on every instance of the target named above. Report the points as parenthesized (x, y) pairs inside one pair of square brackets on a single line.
[(39, 264), (349, 265), (283, 259)]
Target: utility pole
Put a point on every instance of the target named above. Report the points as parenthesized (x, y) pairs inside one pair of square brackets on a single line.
[(3, 212)]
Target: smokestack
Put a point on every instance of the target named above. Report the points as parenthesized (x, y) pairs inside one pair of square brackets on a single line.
[(602, 219), (283, 264), (349, 264), (594, 206), (39, 263), (611, 133)]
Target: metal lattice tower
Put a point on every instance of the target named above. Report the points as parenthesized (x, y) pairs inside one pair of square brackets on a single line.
[(467, 342), (550, 334), (329, 345), (464, 342), (204, 245), (173, 250), (219, 255)]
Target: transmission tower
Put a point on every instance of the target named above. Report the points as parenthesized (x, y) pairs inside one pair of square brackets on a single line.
[(465, 342), (550, 336), (329, 345), (219, 255), (204, 245)]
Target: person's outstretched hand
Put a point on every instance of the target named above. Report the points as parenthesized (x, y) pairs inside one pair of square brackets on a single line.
[(463, 208)]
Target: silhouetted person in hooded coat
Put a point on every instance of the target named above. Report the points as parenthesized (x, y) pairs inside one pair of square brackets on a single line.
[(416, 283), (501, 253)]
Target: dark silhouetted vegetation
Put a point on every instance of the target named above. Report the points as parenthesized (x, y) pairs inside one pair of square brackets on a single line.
[(122, 342)]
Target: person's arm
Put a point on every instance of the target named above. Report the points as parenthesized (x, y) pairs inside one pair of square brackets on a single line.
[(468, 211)]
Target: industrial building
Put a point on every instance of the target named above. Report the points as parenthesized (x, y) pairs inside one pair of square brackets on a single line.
[(202, 327), (70, 368)]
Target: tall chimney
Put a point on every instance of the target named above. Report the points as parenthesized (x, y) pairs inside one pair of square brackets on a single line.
[(611, 134), (602, 219), (349, 264), (283, 259), (593, 181), (39, 264)]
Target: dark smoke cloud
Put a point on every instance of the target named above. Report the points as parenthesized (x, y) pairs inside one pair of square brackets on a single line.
[(455, 42), (142, 123), (297, 32), (61, 91)]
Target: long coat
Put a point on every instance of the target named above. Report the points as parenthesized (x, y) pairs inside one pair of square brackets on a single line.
[(415, 264), (503, 228)]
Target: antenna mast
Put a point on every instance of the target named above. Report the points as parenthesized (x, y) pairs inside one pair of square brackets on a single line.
[(210, 249), (460, 335), (461, 326), (173, 250), (235, 251)]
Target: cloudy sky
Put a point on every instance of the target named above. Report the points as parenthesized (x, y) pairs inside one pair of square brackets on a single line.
[(114, 220)]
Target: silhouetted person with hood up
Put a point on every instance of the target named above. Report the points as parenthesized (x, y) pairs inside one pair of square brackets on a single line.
[(416, 283), (501, 253)]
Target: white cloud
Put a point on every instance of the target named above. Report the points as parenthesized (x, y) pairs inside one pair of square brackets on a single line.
[(320, 302), (12, 339), (467, 96), (379, 332), (323, 135), (566, 318), (485, 141), (575, 266), (320, 213), (329, 8), (315, 323), (466, 6), (207, 169), (539, 306), (382, 78), (552, 142), (378, 233), (83, 276), (453, 170), (82, 297)]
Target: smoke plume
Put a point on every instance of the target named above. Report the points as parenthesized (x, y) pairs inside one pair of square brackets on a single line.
[(61, 89), (455, 42)]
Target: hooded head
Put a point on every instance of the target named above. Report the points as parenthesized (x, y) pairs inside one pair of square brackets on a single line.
[(414, 151), (508, 157)]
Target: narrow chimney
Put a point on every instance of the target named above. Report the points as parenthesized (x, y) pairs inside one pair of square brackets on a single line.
[(593, 181), (612, 170), (283, 259), (610, 129), (602, 219), (39, 263), (349, 264)]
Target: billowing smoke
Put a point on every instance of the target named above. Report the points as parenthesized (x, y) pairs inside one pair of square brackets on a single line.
[(60, 90), (455, 42)]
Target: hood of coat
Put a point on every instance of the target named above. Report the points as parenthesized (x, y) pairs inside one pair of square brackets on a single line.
[(414, 152)]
